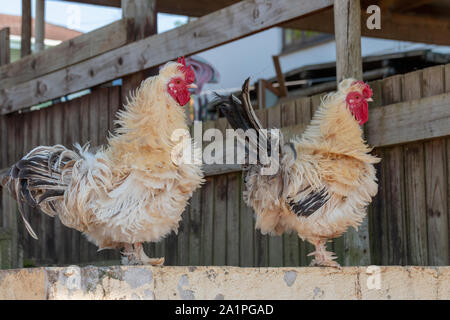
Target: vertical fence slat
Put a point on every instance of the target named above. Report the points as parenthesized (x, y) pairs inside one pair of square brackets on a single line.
[(291, 255), (436, 181), (415, 199), (447, 89), (36, 214), (233, 215), (94, 118), (377, 219), (246, 231), (183, 237), (83, 139), (26, 240), (220, 210), (261, 241), (275, 242), (195, 222), (394, 184), (43, 256), (57, 129), (207, 213)]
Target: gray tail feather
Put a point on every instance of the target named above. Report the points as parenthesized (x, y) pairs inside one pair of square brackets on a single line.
[(240, 115), (37, 180)]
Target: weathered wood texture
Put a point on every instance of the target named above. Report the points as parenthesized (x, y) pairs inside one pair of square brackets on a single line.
[(407, 222), (67, 53), (347, 29), (204, 33), (5, 51), (39, 26), (25, 40), (396, 26)]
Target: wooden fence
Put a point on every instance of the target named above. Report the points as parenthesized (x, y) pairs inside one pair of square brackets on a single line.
[(408, 222)]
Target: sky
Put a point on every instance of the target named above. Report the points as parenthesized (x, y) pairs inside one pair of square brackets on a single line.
[(83, 17)]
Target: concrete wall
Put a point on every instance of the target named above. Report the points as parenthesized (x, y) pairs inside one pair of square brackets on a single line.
[(226, 283)]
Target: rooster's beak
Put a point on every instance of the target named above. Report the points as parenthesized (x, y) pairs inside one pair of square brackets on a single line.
[(370, 100), (192, 86)]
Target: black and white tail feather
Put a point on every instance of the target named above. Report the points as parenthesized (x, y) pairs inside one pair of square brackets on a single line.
[(40, 179), (240, 115)]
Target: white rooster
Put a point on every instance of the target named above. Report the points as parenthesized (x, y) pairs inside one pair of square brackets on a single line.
[(129, 191)]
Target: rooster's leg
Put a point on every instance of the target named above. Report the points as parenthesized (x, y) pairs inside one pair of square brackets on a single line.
[(322, 257), (142, 257), (128, 256)]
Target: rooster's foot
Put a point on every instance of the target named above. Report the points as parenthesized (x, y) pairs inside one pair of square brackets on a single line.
[(157, 262), (322, 257), (144, 259)]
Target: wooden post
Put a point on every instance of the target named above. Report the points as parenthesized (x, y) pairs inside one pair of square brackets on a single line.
[(39, 26), (4, 46), (347, 28), (141, 22), (25, 44), (282, 90)]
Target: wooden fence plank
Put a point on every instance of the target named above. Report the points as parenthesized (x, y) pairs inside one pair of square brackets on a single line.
[(73, 120), (291, 241), (115, 105), (183, 237), (57, 129), (415, 197), (233, 216), (316, 100), (261, 241), (65, 54), (303, 112), (220, 210), (5, 51), (247, 231), (436, 181), (409, 121), (447, 89), (275, 242), (207, 213), (44, 234), (94, 119), (83, 139), (26, 240), (303, 116), (394, 184), (195, 222), (37, 216)]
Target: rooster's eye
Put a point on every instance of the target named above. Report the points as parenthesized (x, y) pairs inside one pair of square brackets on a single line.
[(177, 81)]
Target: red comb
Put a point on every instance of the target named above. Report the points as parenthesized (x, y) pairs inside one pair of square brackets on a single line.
[(182, 61), (367, 91), (187, 70)]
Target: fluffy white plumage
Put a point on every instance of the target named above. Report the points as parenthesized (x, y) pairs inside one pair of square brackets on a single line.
[(127, 192), (326, 177)]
